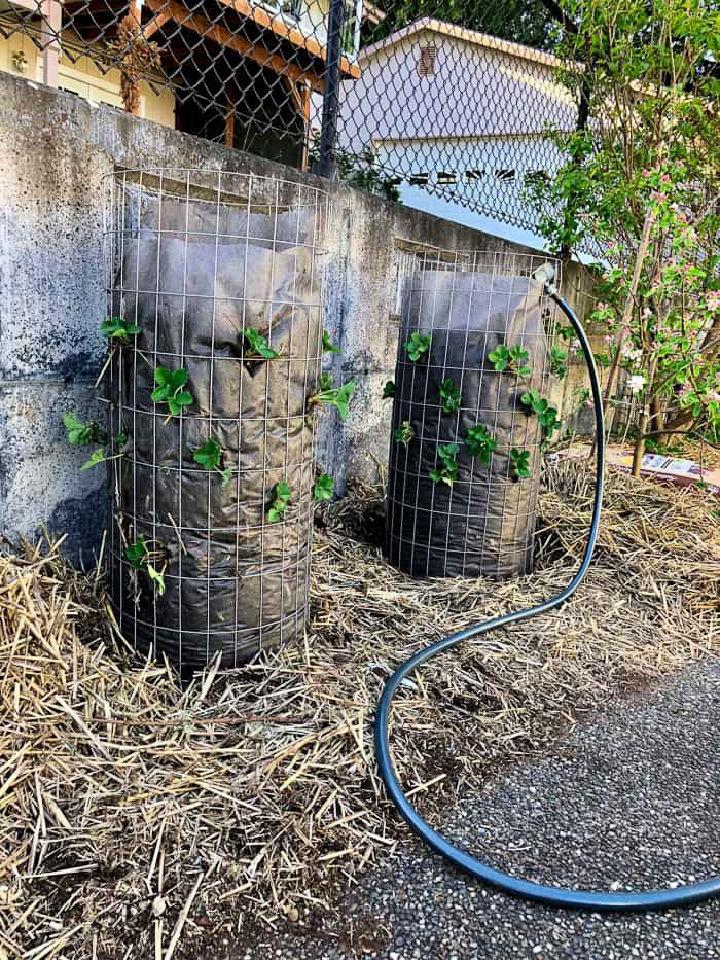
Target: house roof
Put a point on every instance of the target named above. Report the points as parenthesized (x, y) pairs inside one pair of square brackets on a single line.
[(428, 24)]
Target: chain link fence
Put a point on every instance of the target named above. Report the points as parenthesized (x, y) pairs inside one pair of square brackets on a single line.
[(427, 101)]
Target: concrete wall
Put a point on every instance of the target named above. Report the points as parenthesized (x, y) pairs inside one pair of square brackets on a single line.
[(56, 153)]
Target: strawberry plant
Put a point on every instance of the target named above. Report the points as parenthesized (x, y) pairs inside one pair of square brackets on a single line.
[(138, 556), (546, 414), (209, 456), (558, 362), (447, 471), (170, 389), (449, 396), (79, 434), (323, 489), (255, 346), (481, 443), (282, 493), (417, 344), (520, 463), (116, 328), (404, 433), (327, 344), (513, 359), (136, 553), (388, 390), (338, 397), (96, 457)]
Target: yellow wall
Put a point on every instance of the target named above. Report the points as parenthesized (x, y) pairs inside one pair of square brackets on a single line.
[(85, 79)]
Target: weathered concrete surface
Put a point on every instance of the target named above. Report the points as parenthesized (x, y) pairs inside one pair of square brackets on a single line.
[(56, 155)]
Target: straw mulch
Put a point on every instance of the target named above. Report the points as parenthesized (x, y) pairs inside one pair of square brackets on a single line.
[(138, 820)]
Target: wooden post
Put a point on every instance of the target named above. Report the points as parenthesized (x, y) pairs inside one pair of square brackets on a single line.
[(230, 126), (301, 96), (305, 92), (50, 29)]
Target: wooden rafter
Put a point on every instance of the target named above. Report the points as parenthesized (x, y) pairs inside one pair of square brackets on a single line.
[(266, 20), (254, 51), (159, 20)]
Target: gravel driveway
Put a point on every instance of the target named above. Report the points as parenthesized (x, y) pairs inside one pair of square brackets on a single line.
[(629, 800)]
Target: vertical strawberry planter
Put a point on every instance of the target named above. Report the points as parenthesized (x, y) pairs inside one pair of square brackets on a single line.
[(470, 416), (215, 345)]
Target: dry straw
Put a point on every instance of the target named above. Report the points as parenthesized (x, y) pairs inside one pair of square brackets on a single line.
[(137, 818)]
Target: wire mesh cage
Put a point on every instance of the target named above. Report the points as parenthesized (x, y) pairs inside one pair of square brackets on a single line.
[(470, 414), (215, 296)]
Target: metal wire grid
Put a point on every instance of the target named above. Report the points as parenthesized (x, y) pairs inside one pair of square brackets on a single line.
[(234, 582), (457, 102), (423, 533)]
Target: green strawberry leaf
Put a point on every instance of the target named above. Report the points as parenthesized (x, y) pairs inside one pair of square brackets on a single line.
[(327, 344), (136, 553), (324, 486), (96, 457)]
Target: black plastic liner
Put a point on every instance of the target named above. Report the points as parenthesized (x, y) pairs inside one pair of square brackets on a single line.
[(484, 524), (194, 270)]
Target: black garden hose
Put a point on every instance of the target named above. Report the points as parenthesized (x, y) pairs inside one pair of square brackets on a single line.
[(555, 896)]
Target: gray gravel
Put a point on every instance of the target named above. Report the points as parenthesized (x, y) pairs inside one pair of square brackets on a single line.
[(629, 800)]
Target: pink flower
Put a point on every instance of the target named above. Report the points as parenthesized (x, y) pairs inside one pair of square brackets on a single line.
[(685, 390), (658, 196), (713, 300), (714, 395), (665, 178)]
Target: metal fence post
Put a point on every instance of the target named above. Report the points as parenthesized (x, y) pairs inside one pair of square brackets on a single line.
[(325, 166)]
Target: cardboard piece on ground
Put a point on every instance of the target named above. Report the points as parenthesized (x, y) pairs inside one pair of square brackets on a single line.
[(677, 471)]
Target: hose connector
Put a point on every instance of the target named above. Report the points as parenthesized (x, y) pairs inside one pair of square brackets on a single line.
[(545, 274)]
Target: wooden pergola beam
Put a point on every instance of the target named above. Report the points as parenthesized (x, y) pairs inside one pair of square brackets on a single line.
[(281, 29), (158, 21), (199, 23)]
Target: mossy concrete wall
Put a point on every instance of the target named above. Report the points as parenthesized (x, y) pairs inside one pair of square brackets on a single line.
[(57, 153)]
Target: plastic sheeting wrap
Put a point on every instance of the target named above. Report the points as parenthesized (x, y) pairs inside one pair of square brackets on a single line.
[(196, 266), (484, 523)]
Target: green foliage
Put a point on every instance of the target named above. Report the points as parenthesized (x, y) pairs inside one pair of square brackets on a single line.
[(546, 414), (324, 486), (404, 433), (136, 553), (635, 193), (449, 396), (157, 577), (417, 344), (481, 443), (447, 471), (325, 381), (338, 397), (96, 457), (138, 556), (558, 362), (79, 434), (115, 328), (327, 344), (361, 171), (522, 21), (256, 346), (282, 493), (513, 359), (210, 456), (388, 390), (520, 463), (170, 389)]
